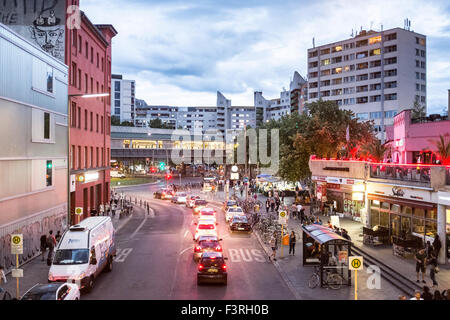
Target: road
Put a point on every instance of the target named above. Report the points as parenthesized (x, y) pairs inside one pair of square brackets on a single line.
[(154, 260)]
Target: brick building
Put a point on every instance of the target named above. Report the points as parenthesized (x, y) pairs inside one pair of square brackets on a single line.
[(88, 55)]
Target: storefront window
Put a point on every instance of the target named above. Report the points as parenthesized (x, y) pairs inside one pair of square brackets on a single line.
[(395, 208), (406, 227), (419, 226), (431, 228), (385, 206), (384, 219), (375, 203), (396, 225), (432, 214), (419, 213), (374, 216), (406, 210)]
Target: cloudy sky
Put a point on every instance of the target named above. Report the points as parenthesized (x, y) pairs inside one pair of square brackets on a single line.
[(182, 52)]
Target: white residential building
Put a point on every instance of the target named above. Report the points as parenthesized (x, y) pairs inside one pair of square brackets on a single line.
[(123, 99), (375, 74)]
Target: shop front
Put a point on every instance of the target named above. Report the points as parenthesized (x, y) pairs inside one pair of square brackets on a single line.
[(341, 195), (408, 213), (444, 225)]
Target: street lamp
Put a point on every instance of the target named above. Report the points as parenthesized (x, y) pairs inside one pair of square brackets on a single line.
[(69, 97)]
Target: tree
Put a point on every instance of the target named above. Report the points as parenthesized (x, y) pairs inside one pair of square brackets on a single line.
[(115, 121), (375, 150), (443, 149), (418, 110), (127, 124), (157, 123)]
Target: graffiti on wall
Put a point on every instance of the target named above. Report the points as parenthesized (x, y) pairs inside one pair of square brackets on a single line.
[(40, 21)]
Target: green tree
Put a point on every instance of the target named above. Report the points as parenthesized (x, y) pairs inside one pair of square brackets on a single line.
[(375, 150), (127, 124), (418, 110), (157, 123), (115, 121)]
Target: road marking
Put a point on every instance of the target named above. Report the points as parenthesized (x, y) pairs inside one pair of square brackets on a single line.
[(186, 233), (122, 254), (246, 255), (138, 228), (190, 248)]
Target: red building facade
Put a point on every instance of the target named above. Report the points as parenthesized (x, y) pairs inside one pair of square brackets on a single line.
[(88, 55)]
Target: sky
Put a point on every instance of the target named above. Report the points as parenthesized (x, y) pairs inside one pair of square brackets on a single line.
[(182, 52)]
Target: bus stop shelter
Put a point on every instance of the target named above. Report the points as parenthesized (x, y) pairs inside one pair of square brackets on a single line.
[(324, 248)]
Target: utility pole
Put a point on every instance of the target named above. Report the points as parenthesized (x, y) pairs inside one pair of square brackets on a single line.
[(246, 173)]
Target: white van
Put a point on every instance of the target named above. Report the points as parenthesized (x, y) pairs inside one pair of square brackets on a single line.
[(83, 252)]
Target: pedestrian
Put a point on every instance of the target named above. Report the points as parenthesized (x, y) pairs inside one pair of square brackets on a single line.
[(299, 208), (417, 296), (267, 205), (274, 245), (293, 211), (302, 215), (429, 249), (2, 275), (43, 245), (437, 295), (292, 241), (437, 245), (433, 269), (272, 205), (426, 294), (282, 196), (51, 243), (329, 224), (421, 258), (277, 203), (58, 236)]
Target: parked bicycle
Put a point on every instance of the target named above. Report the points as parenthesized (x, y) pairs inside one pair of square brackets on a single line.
[(332, 279)]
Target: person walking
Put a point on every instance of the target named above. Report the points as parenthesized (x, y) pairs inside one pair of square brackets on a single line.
[(429, 249), (433, 269), (277, 203), (299, 208), (437, 245), (421, 258), (58, 236), (273, 245), (272, 205), (43, 245), (292, 241), (282, 196), (51, 243), (2, 275), (293, 211), (267, 205)]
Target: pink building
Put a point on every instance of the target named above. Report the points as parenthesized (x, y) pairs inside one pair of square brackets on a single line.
[(411, 141)]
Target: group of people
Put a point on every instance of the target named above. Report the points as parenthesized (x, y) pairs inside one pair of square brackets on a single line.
[(428, 256), (427, 295), (49, 242)]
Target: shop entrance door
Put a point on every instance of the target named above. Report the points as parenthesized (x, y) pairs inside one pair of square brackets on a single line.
[(396, 226), (406, 226)]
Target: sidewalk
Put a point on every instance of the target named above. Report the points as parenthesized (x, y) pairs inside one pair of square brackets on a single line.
[(297, 275), (36, 271)]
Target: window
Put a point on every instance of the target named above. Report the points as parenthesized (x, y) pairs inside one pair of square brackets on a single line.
[(423, 88), (86, 83), (79, 117), (417, 87), (336, 49), (349, 90), (417, 64), (349, 79), (336, 60), (325, 51), (362, 100), (422, 99), (102, 124), (375, 98), (363, 116), (98, 60), (336, 92), (349, 46), (46, 125), (390, 114), (337, 70), (375, 52), (80, 44), (312, 54), (85, 119), (390, 49), (390, 85), (375, 75), (349, 101), (313, 95), (116, 85), (362, 77), (86, 44), (312, 85), (422, 76), (361, 55), (92, 55), (422, 53), (85, 157), (73, 115), (390, 60), (349, 68), (375, 115), (313, 74), (325, 62), (325, 72), (79, 158), (361, 43), (390, 73), (92, 157), (420, 41), (42, 76), (375, 86), (336, 81), (418, 75), (361, 66), (391, 36), (361, 89), (313, 64), (92, 85), (92, 121), (375, 63), (96, 122), (391, 96), (349, 57), (374, 40)]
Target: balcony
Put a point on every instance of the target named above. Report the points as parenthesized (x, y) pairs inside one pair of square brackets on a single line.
[(407, 173)]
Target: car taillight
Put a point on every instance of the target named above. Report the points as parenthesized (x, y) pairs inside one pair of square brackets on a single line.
[(224, 267), (218, 248), (200, 267), (198, 248)]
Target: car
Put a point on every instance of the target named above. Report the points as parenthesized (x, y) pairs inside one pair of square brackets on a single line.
[(206, 244), (240, 223), (116, 174), (207, 213), (233, 211), (212, 268), (198, 205), (179, 197), (205, 227), (190, 202), (229, 203), (158, 194), (53, 291), (167, 194)]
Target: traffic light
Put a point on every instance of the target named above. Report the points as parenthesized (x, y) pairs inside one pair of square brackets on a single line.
[(168, 176), (49, 172), (162, 166), (152, 169)]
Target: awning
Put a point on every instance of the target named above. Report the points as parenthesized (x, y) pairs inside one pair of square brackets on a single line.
[(403, 202), (322, 234)]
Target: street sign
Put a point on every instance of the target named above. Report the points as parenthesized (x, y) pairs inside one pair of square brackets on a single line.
[(79, 211), (355, 263), (234, 175), (17, 273), (16, 244), (283, 217)]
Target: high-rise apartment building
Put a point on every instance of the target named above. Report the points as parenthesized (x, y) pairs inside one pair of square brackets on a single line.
[(375, 74), (123, 99)]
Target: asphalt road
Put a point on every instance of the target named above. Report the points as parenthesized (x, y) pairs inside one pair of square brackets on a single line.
[(155, 260)]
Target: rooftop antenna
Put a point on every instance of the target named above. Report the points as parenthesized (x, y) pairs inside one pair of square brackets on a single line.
[(381, 27), (352, 33), (371, 24), (314, 43)]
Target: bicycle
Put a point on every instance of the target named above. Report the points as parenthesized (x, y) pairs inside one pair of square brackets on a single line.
[(332, 280)]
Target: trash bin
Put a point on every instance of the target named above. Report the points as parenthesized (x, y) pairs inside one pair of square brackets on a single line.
[(286, 240)]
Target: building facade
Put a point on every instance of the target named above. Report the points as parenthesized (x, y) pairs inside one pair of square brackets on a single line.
[(123, 99), (33, 156), (88, 55), (375, 74)]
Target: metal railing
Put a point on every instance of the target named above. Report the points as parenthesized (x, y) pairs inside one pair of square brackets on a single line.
[(411, 173)]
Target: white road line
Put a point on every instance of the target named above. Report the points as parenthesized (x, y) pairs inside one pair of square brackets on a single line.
[(138, 228), (186, 233), (189, 248)]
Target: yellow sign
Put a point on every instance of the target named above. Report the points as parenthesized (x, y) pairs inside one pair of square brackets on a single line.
[(282, 214), (355, 263), (16, 244), (78, 211)]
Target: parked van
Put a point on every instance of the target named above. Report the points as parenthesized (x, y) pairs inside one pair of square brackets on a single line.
[(83, 252)]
